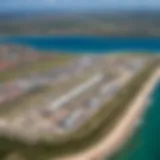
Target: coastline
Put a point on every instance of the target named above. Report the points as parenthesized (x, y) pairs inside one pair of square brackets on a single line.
[(117, 137)]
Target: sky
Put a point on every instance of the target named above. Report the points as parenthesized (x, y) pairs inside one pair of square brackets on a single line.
[(9, 5)]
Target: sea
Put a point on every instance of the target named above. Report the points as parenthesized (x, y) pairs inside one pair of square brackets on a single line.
[(145, 143), (85, 44)]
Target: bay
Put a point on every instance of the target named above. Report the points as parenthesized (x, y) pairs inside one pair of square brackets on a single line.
[(85, 44)]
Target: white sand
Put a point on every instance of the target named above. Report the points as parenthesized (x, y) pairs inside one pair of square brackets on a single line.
[(113, 141)]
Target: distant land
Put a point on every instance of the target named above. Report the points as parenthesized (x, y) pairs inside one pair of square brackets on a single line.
[(126, 23)]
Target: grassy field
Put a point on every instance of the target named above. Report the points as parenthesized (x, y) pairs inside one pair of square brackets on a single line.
[(38, 66), (100, 124)]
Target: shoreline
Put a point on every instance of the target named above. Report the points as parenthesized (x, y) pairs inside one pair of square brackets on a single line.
[(119, 135)]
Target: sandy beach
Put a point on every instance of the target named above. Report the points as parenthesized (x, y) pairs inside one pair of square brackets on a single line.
[(117, 137)]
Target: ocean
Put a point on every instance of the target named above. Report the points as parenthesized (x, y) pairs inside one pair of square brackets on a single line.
[(85, 44), (145, 144)]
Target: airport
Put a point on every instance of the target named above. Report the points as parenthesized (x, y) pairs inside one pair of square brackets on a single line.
[(77, 91)]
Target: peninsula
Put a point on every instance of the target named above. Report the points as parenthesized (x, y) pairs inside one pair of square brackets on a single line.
[(83, 109)]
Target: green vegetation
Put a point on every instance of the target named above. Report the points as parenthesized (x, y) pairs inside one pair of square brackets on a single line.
[(38, 66), (116, 24), (98, 126)]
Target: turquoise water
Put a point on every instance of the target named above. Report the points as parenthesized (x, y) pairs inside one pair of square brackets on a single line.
[(145, 144), (83, 44)]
